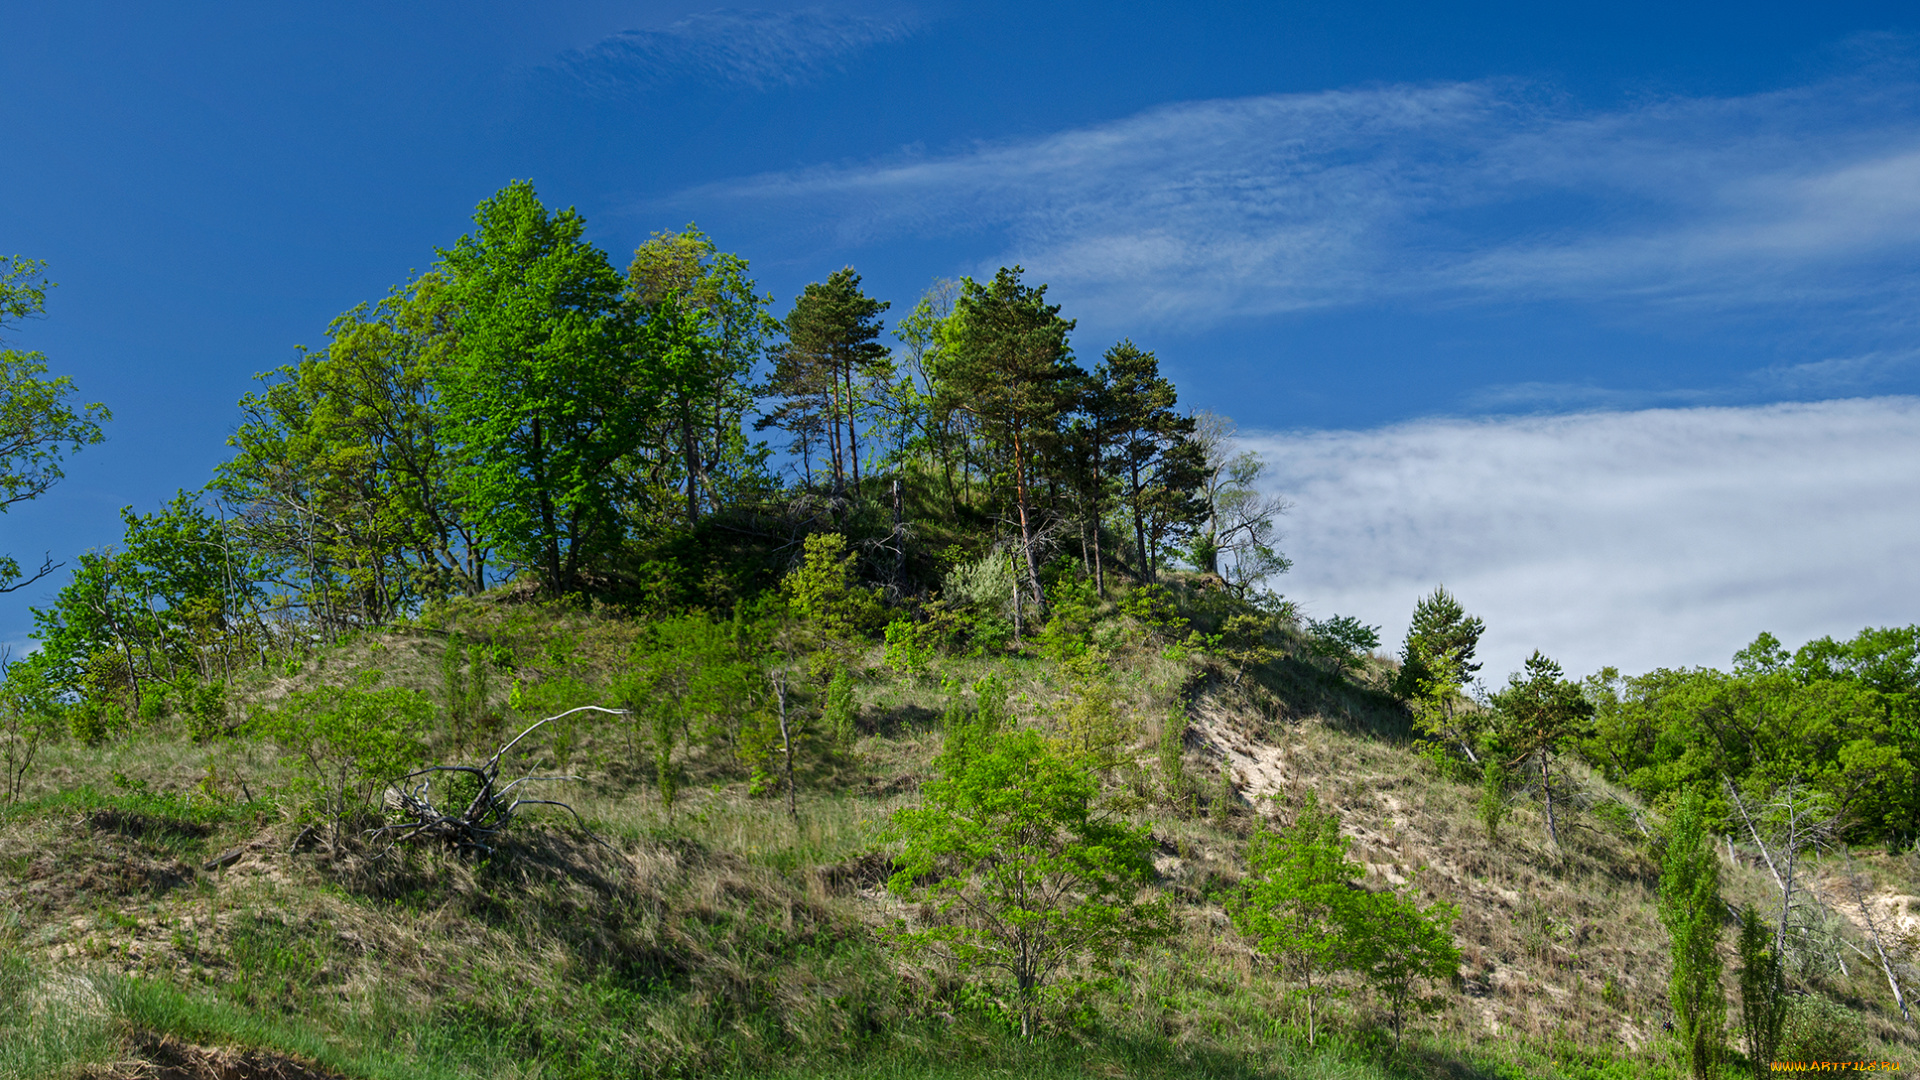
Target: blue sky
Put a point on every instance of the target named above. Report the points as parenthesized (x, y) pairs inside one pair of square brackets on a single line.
[(1604, 316)]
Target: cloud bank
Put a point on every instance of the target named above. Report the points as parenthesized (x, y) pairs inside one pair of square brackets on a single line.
[(1197, 212), (1645, 539), (759, 50)]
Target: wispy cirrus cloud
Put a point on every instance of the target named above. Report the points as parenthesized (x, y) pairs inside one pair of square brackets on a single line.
[(756, 49), (1659, 537), (1200, 211)]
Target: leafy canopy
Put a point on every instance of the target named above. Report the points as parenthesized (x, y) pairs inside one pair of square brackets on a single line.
[(39, 421), (1027, 876)]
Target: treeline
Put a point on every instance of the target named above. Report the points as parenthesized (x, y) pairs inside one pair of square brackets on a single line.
[(526, 411), (1833, 728)]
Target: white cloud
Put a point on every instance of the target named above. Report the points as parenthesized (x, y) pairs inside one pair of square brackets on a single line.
[(1663, 537), (757, 49), (1206, 210)]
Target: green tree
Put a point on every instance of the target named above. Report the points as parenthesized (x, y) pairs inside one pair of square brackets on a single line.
[(543, 392), (39, 421), (1011, 369), (349, 742), (1239, 536), (1536, 715), (825, 375), (1436, 663), (704, 327), (170, 606), (1763, 996), (825, 589), (935, 429), (1691, 909), (1343, 639), (29, 719), (341, 478), (1159, 467), (1299, 906), (1402, 946), (1028, 875)]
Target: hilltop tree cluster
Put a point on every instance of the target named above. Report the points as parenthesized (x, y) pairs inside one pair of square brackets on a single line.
[(527, 411)]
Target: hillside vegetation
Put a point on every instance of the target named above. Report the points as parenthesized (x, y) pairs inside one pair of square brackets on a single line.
[(499, 711)]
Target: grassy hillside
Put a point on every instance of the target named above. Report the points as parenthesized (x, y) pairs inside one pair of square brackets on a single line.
[(166, 910)]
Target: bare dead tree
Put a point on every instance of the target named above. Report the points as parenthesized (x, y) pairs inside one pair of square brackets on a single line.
[(1799, 821), (1858, 887)]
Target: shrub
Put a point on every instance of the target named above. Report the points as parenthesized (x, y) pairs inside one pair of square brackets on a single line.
[(348, 742), (909, 647), (825, 590), (1818, 1029), (29, 718)]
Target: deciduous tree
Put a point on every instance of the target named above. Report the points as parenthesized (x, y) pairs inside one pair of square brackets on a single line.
[(1027, 874), (40, 422), (544, 393)]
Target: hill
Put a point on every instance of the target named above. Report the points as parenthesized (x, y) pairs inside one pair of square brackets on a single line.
[(175, 907)]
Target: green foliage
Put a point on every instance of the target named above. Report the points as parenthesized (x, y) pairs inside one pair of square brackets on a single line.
[(1691, 910), (826, 375), (824, 589), (1817, 1029), (341, 478), (1441, 641), (1091, 723), (1343, 640), (1070, 619), (1160, 468), (348, 742), (1155, 609), (1298, 906), (1240, 536), (1763, 996), (542, 387), (39, 421), (1842, 717), (466, 692), (1436, 663), (693, 679), (168, 606), (30, 717), (1535, 717), (1403, 947), (1492, 808), (1010, 370), (704, 327), (909, 648), (841, 710), (1027, 878)]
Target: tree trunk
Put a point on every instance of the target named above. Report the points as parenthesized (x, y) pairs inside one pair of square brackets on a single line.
[(786, 744), (1546, 790), (899, 535), (1026, 527), (853, 437), (547, 523), (689, 448), (1139, 527)]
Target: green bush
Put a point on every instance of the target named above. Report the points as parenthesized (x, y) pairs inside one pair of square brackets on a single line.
[(347, 743), (1818, 1029)]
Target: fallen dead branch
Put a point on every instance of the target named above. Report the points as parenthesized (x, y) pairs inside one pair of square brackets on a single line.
[(474, 823)]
